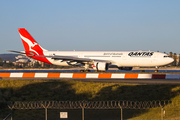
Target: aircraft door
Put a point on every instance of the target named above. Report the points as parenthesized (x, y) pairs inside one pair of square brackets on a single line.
[(124, 57), (155, 57)]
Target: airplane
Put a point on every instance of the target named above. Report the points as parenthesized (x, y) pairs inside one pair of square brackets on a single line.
[(97, 60)]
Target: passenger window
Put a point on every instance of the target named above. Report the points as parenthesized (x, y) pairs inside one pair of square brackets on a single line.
[(166, 56)]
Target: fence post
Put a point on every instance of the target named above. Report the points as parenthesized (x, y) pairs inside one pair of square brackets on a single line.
[(121, 113), (45, 113), (121, 107), (161, 112), (82, 113), (11, 106), (11, 114), (83, 105), (45, 107)]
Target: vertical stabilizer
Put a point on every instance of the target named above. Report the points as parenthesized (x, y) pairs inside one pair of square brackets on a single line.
[(30, 45), (32, 48)]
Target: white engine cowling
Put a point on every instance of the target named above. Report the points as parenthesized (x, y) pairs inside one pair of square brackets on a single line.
[(100, 66)]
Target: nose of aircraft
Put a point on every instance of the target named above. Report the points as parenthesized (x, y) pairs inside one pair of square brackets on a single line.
[(171, 60)]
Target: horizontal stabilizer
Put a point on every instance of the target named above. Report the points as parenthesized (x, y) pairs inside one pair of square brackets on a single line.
[(16, 51)]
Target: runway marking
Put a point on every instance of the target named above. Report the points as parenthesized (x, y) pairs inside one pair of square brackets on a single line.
[(66, 75), (131, 76), (90, 75), (37, 75), (144, 76), (170, 76), (158, 76), (117, 75), (104, 75), (79, 75), (16, 75), (53, 75), (5, 74), (28, 75)]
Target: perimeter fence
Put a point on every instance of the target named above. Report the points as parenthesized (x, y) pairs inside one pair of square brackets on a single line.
[(84, 110)]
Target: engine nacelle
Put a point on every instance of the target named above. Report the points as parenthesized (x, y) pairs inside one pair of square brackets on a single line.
[(100, 66), (125, 68)]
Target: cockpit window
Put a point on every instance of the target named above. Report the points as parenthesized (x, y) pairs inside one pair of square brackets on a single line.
[(166, 56)]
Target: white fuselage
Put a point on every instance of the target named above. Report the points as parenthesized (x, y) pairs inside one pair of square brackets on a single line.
[(119, 58)]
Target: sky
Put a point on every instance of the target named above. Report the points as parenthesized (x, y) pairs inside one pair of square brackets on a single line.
[(92, 25)]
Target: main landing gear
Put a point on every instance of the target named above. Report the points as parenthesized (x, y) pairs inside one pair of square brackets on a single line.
[(86, 68)]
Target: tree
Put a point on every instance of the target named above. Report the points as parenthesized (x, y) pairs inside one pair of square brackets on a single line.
[(37, 65), (179, 60), (170, 54), (175, 59), (8, 64), (11, 64), (1, 62)]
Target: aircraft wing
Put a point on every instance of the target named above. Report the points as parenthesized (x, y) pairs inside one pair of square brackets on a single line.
[(72, 59)]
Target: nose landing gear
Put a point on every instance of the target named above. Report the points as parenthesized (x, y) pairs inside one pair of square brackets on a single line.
[(156, 69)]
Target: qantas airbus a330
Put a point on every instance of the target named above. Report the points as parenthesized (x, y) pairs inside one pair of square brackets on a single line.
[(98, 60)]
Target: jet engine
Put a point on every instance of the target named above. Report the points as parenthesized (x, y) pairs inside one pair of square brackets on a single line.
[(100, 66)]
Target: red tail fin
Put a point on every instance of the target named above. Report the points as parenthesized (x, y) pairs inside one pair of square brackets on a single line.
[(30, 45)]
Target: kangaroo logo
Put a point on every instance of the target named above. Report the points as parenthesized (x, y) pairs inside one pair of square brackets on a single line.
[(30, 44)]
